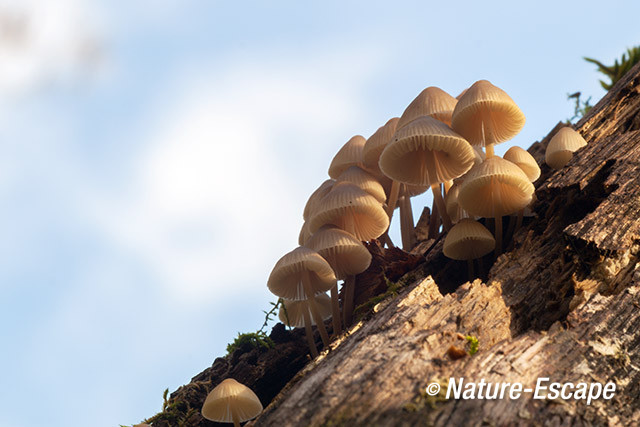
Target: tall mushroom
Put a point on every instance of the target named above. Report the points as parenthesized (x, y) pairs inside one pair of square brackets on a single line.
[(231, 402), (562, 146), (347, 256), (485, 115), (494, 188), (371, 152), (300, 275), (427, 152)]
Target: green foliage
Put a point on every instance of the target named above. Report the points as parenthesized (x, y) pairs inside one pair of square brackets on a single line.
[(165, 399), (581, 108), (252, 339), (275, 306), (618, 69), (473, 344)]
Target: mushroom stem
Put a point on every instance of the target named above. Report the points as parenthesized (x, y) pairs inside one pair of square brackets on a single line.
[(315, 312), (447, 186), (498, 235), (488, 148), (349, 291), (335, 312), (235, 418), (470, 268), (392, 200), (406, 224), (437, 196), (490, 152), (309, 333), (386, 239)]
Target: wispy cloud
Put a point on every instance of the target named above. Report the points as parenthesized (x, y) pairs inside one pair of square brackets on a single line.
[(215, 193), (44, 42)]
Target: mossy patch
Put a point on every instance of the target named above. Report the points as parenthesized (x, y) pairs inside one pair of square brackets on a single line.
[(250, 340)]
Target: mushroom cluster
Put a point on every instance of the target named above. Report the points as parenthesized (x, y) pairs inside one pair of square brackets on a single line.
[(440, 143)]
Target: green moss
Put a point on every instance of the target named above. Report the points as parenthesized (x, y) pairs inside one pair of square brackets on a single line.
[(473, 344), (250, 339)]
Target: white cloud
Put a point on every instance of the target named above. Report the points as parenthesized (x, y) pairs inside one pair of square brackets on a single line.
[(214, 198), (43, 41)]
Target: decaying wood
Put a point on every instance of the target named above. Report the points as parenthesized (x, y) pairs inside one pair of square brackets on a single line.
[(562, 302)]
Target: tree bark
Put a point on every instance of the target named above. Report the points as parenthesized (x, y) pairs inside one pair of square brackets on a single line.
[(563, 302)]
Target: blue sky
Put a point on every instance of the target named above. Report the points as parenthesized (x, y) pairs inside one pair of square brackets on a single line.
[(156, 157)]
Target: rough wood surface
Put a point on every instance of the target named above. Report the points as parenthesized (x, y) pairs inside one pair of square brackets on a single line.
[(562, 302)]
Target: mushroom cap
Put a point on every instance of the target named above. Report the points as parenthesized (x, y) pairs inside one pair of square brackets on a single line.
[(316, 196), (304, 235), (426, 152), (484, 103), (286, 277), (352, 209), (525, 161), (231, 396), (376, 143), (496, 187), (468, 239), (414, 190), (433, 102), (296, 309), (562, 146), (364, 180), (346, 255), (349, 155)]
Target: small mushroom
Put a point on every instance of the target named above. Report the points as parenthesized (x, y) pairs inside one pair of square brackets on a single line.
[(349, 155), (485, 115), (352, 209), (427, 152), (347, 256), (300, 275), (494, 188), (562, 146), (525, 161), (231, 402), (468, 240), (373, 148)]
